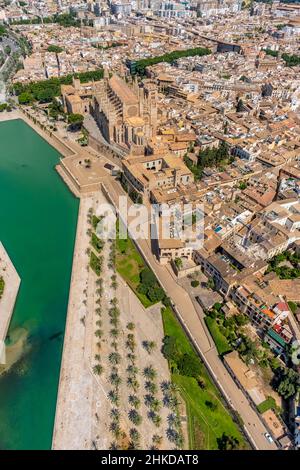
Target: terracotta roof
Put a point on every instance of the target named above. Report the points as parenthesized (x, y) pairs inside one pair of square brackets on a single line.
[(122, 90)]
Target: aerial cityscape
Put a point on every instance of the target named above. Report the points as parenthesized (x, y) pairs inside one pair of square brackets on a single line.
[(150, 225)]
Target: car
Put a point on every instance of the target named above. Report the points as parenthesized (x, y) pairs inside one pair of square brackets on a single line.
[(268, 437)]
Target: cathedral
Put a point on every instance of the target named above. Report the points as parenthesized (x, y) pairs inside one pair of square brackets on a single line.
[(126, 116)]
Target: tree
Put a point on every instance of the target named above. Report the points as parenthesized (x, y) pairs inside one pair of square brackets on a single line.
[(135, 417), (75, 121), (211, 284), (189, 365), (134, 401), (135, 436), (114, 397), (98, 369), (150, 372), (45, 95), (147, 278), (211, 405), (226, 442), (55, 49), (157, 439), (240, 106), (155, 294), (171, 349), (178, 263), (288, 382), (25, 98), (114, 358), (115, 379), (151, 387), (149, 346), (115, 414)]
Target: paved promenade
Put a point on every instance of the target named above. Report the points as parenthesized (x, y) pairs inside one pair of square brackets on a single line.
[(74, 414), (12, 284)]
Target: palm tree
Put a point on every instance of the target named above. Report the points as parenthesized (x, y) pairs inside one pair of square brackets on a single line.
[(130, 326), (114, 446), (150, 373), (114, 312), (172, 434), (132, 370), (99, 323), (173, 387), (149, 346), (99, 291), (114, 427), (114, 358), (130, 343), (170, 400), (135, 436), (156, 439), (165, 385), (133, 383), (99, 333), (115, 414), (97, 357), (179, 440), (151, 387), (114, 397), (98, 311), (114, 345), (155, 405), (154, 417), (148, 399), (98, 369), (134, 401), (115, 380), (135, 417), (114, 301), (114, 332), (131, 357), (173, 420), (114, 322)]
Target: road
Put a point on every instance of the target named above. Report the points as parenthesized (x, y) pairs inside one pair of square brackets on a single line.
[(186, 311)]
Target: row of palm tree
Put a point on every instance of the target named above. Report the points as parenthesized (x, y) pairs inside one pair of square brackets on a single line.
[(114, 358), (98, 367), (170, 400)]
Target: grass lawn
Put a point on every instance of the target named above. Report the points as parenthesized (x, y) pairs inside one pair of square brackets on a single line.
[(95, 263), (95, 221), (266, 405), (129, 264), (204, 424), (96, 242), (220, 340)]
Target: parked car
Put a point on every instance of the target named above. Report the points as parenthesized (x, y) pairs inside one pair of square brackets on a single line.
[(268, 437)]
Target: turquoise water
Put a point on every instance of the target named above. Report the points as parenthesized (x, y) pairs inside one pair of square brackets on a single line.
[(38, 217)]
